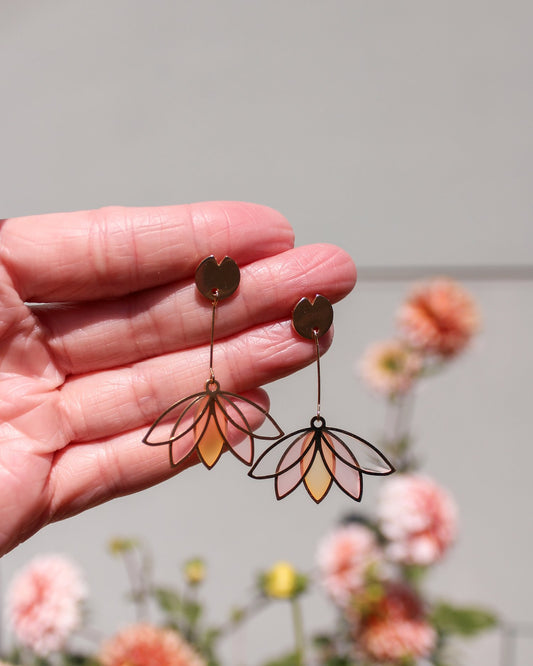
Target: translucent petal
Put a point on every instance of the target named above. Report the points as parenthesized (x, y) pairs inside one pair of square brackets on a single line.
[(174, 422), (347, 477), (180, 449), (316, 466), (210, 432), (237, 424), (235, 406), (291, 468), (268, 465), (364, 456)]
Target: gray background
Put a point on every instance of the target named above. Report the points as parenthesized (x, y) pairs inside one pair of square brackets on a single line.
[(398, 130)]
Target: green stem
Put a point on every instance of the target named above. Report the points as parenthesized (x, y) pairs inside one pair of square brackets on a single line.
[(191, 597), (299, 639), (138, 583)]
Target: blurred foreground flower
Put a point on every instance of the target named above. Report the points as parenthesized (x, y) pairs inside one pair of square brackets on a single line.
[(439, 317), (394, 628), (282, 581), (44, 603), (146, 645), (418, 517), (390, 367), (194, 571), (345, 558)]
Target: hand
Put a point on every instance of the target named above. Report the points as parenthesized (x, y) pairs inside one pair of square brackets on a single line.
[(102, 328)]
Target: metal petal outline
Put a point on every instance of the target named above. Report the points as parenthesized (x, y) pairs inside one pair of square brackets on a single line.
[(318, 441), (214, 398), (360, 440), (302, 432), (281, 474), (353, 468)]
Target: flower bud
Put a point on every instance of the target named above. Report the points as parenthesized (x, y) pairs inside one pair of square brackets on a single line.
[(282, 581), (194, 571)]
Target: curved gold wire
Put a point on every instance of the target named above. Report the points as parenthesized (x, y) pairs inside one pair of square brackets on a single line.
[(318, 456), (215, 408)]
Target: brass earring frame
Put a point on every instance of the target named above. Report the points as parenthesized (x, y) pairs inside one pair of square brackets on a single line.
[(318, 455), (212, 409)]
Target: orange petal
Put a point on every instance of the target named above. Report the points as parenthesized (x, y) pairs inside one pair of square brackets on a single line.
[(210, 433), (318, 478)]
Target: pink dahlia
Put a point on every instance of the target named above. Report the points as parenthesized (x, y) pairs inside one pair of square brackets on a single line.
[(395, 627), (344, 559), (146, 645), (439, 317), (418, 517), (44, 603), (390, 367)]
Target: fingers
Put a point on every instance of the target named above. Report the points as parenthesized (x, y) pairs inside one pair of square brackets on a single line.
[(108, 334), (104, 404), (88, 474), (115, 251)]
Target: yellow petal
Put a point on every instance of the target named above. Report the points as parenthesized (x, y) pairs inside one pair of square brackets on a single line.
[(280, 581), (318, 477), (211, 442)]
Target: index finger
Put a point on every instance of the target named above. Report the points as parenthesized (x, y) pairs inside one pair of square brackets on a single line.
[(114, 251)]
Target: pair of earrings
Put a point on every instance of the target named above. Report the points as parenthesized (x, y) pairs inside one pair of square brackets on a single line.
[(316, 456)]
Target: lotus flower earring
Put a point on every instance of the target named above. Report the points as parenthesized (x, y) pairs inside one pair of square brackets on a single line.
[(212, 418), (318, 455)]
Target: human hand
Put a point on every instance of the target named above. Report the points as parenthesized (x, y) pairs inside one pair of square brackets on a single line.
[(101, 328)]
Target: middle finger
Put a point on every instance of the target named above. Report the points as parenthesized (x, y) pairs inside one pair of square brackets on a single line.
[(108, 334)]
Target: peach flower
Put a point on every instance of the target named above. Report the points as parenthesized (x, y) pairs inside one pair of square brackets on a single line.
[(146, 645), (418, 517), (344, 559), (395, 628), (439, 317), (390, 367), (44, 603)]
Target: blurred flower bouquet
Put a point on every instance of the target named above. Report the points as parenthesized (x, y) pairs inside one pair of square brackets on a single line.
[(372, 568)]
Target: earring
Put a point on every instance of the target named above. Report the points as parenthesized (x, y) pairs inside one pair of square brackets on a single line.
[(213, 411), (318, 455)]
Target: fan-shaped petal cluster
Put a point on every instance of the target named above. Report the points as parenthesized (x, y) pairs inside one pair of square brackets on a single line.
[(318, 456), (209, 417)]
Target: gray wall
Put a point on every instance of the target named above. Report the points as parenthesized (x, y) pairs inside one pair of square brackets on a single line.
[(398, 130)]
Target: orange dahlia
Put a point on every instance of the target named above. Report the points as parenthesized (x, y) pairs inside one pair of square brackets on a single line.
[(146, 645), (390, 367), (394, 628), (344, 559), (439, 317)]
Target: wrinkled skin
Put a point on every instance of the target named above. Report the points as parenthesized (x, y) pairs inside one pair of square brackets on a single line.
[(101, 328)]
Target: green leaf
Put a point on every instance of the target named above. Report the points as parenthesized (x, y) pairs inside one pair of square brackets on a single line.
[(206, 643), (210, 637), (462, 620), (41, 661), (192, 610), (168, 600), (322, 641), (237, 615), (79, 660), (291, 659), (414, 573), (121, 545)]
